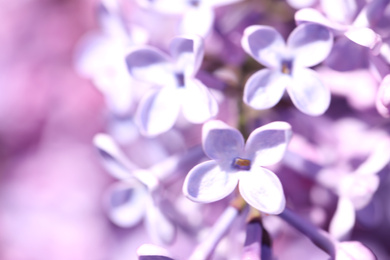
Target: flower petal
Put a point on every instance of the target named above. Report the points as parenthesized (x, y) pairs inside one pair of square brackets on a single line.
[(264, 44), (191, 24), (343, 220), (221, 142), (266, 145), (340, 11), (262, 189), (207, 182), (188, 52), (197, 102), (308, 93), (150, 65), (353, 250), (365, 37), (166, 6), (158, 111), (298, 4), (310, 44), (114, 160), (125, 203), (310, 15), (161, 229), (152, 252), (265, 88)]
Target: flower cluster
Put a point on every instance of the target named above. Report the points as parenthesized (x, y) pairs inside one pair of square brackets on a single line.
[(184, 167)]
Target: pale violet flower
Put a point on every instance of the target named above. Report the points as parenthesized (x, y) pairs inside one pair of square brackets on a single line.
[(133, 198), (342, 18), (234, 162), (178, 90), (307, 45), (191, 11)]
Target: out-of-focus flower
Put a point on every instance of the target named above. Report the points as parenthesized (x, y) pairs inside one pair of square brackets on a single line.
[(308, 45), (191, 10), (339, 18), (180, 90), (101, 57), (134, 197), (383, 97), (235, 162)]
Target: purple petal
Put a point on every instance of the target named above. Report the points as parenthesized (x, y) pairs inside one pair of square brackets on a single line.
[(262, 189), (197, 102), (221, 142), (310, 44), (207, 182), (264, 44), (187, 51), (343, 220), (298, 4), (158, 111), (150, 65), (383, 97), (166, 6), (126, 203), (266, 145), (308, 93), (191, 24), (152, 252), (265, 88), (114, 160), (159, 227)]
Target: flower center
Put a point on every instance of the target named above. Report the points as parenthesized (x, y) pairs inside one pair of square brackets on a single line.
[(287, 67), (179, 79), (241, 164)]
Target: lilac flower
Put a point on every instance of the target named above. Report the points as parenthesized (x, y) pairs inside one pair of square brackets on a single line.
[(383, 97), (235, 162), (158, 110), (101, 57), (191, 11), (133, 198), (340, 18), (307, 46)]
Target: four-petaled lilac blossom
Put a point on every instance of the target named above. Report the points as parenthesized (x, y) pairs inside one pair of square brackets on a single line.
[(235, 162), (308, 45), (180, 90), (191, 10)]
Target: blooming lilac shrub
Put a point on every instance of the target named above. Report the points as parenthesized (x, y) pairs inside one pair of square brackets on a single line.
[(195, 129)]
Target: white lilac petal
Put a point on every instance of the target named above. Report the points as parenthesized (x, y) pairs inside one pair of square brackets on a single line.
[(262, 189), (208, 182), (153, 252), (191, 24), (359, 188), (370, 13), (158, 111), (310, 44), (310, 15), (216, 3), (114, 160), (383, 97), (365, 37), (125, 203), (159, 227), (353, 250), (308, 93), (266, 145), (377, 160), (343, 219), (298, 4), (198, 104), (342, 11), (187, 51), (166, 6), (264, 44), (221, 142), (265, 88), (150, 65)]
